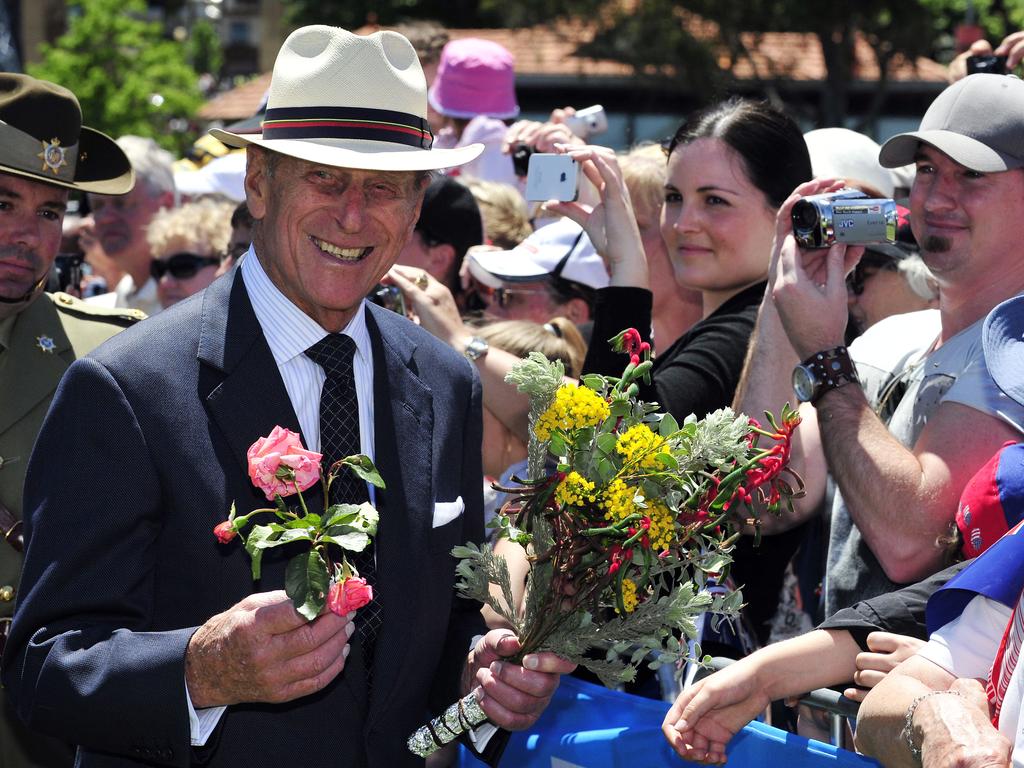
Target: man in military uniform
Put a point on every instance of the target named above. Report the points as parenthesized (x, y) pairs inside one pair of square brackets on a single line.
[(44, 151)]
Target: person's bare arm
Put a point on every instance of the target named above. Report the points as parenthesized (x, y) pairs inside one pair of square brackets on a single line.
[(902, 499), (950, 729), (708, 714), (766, 382)]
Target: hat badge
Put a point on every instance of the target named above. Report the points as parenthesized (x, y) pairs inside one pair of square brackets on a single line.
[(53, 155)]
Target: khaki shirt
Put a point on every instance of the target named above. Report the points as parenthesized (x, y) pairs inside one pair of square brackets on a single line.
[(36, 347)]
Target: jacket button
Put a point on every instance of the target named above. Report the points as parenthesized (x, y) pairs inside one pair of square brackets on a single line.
[(6, 593)]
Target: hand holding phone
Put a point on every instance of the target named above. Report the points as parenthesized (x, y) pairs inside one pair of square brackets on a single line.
[(552, 177)]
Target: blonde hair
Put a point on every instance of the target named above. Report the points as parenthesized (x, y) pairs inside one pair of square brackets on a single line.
[(206, 222), (557, 339), (644, 170), (506, 220)]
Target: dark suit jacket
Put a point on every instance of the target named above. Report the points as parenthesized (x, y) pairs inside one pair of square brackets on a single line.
[(141, 455)]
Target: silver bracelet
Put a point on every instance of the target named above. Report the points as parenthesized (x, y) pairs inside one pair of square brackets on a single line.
[(908, 725)]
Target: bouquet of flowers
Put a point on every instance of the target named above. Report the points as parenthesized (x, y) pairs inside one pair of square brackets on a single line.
[(637, 515), (280, 467)]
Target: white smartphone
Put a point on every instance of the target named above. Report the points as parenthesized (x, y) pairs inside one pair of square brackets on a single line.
[(588, 122), (552, 177)]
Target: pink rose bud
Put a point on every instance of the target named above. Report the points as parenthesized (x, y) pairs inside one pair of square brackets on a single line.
[(349, 595), (225, 531), (282, 447)]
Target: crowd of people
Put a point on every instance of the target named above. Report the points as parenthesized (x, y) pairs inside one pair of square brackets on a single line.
[(362, 262)]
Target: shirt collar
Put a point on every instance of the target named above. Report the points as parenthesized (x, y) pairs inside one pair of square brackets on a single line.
[(289, 330)]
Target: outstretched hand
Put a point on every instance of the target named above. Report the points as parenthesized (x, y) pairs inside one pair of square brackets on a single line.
[(513, 696), (710, 712)]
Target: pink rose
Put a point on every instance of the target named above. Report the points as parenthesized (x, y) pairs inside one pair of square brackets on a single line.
[(349, 595), (279, 465), (225, 531)]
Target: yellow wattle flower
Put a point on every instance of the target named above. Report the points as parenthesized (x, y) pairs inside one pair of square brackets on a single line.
[(573, 408), (663, 530), (617, 500), (629, 597), (575, 491), (640, 445)]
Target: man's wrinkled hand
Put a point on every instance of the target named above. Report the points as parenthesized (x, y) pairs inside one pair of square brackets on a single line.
[(513, 696), (957, 731), (263, 650)]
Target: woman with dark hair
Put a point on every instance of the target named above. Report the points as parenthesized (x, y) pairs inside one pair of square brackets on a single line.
[(729, 169)]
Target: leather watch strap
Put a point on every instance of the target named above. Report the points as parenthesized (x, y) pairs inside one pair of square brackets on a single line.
[(833, 368)]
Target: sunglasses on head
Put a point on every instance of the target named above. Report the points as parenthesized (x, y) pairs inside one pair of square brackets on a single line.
[(181, 265)]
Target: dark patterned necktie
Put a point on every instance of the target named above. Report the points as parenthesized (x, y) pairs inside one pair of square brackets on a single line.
[(339, 437)]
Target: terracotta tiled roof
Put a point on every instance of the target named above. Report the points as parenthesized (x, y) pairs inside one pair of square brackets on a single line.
[(238, 103), (549, 51)]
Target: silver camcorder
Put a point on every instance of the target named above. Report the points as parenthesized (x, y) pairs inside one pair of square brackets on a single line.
[(847, 216)]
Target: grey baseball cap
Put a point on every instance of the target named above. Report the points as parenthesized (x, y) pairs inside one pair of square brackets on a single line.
[(978, 121)]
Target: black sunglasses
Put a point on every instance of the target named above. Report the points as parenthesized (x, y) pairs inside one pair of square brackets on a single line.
[(181, 265)]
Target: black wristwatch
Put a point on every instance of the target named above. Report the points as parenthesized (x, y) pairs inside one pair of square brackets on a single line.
[(830, 369)]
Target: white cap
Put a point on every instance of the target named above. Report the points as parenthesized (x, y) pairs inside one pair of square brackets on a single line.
[(221, 176), (840, 153), (561, 249)]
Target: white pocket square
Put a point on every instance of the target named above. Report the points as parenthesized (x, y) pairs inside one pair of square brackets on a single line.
[(446, 511)]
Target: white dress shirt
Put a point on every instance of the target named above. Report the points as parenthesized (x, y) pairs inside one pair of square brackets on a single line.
[(290, 332)]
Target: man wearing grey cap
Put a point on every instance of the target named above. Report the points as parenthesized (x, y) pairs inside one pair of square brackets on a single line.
[(901, 447)]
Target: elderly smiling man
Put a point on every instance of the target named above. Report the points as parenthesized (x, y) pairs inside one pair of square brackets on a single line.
[(142, 639)]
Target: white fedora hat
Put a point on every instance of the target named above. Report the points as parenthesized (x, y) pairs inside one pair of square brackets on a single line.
[(350, 101)]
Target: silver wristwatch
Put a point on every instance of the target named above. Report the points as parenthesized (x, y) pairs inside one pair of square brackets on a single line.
[(476, 348)]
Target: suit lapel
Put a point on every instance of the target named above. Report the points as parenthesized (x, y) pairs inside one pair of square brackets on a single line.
[(403, 436), (35, 326), (242, 388)]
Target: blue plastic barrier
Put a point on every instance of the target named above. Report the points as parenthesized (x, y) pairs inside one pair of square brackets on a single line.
[(587, 726)]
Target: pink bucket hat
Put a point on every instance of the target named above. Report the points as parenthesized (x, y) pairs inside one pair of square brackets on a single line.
[(475, 77)]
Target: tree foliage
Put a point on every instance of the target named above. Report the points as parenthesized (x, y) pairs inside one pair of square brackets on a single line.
[(203, 48), (653, 36), (128, 77)]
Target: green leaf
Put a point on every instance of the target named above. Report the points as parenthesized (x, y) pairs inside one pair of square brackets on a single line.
[(255, 544), (353, 541), (364, 468), (668, 461), (557, 445), (292, 534), (306, 581), (668, 425), (606, 443), (593, 381), (341, 514)]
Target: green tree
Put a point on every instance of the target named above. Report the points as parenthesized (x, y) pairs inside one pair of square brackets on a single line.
[(204, 48), (128, 77)]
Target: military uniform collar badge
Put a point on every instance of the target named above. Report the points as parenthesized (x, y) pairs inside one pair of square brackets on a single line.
[(53, 155), (46, 344)]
